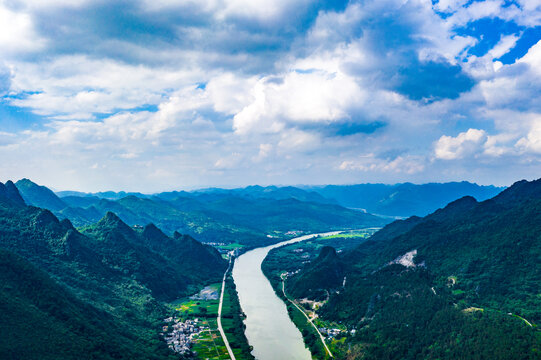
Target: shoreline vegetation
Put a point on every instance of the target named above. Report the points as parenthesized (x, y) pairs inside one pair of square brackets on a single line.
[(276, 268)]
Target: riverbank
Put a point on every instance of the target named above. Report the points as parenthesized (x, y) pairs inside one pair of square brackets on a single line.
[(269, 328), (310, 335), (288, 259)]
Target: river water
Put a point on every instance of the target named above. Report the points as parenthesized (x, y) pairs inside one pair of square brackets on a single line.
[(268, 327)]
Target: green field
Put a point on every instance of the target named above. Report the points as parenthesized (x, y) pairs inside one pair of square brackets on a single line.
[(209, 344), (363, 233)]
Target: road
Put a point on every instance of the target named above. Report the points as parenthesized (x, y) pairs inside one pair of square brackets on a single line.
[(307, 317), (219, 319)]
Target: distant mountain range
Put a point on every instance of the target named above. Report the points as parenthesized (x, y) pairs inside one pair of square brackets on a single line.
[(95, 293), (403, 200), (462, 282), (398, 200), (252, 216)]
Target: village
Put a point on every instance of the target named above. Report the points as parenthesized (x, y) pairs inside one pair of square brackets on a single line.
[(180, 335)]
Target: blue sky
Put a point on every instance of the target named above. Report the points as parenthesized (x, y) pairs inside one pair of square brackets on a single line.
[(151, 95)]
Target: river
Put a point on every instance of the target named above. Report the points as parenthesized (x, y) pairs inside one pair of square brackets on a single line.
[(268, 327)]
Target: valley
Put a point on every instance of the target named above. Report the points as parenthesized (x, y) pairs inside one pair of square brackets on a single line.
[(270, 180), (432, 286), (462, 278)]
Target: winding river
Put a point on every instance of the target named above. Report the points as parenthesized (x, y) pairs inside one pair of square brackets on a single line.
[(268, 327)]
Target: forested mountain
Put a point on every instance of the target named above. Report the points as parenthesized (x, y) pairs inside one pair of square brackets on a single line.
[(325, 272), (462, 282), (108, 195), (245, 216), (91, 294), (267, 192), (39, 196), (10, 194), (399, 200), (405, 199)]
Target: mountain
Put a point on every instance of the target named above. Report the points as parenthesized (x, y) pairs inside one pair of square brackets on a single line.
[(9, 193), (95, 293), (252, 216), (403, 200), (325, 272), (35, 306), (39, 196), (108, 195), (264, 192), (399, 200), (461, 282)]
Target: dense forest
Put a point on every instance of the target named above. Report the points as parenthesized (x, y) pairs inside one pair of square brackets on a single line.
[(462, 282), (252, 217), (95, 293)]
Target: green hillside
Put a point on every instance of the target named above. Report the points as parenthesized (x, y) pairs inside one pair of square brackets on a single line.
[(325, 272), (242, 216), (47, 321), (462, 282), (99, 293), (39, 196)]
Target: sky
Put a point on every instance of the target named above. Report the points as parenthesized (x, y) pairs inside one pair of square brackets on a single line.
[(155, 95)]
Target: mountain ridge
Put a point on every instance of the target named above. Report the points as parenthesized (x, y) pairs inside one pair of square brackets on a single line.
[(103, 288), (218, 216), (469, 267)]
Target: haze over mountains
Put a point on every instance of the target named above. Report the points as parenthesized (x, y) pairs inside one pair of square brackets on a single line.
[(400, 200), (251, 216), (404, 199), (248, 215)]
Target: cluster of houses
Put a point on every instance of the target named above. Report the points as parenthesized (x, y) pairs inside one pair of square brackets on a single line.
[(290, 273), (180, 335), (214, 243), (331, 333), (306, 257)]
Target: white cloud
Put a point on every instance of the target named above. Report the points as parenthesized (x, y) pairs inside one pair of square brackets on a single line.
[(77, 87), (39, 4), (533, 58), (229, 162), (262, 10), (298, 140), (17, 33), (232, 99), (264, 152), (298, 98), (449, 5), (370, 163), (532, 141), (229, 93), (464, 144)]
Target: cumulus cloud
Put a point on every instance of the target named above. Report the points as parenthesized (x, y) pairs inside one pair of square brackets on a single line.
[(173, 92), (532, 141), (298, 97), (464, 144), (79, 87), (17, 32)]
